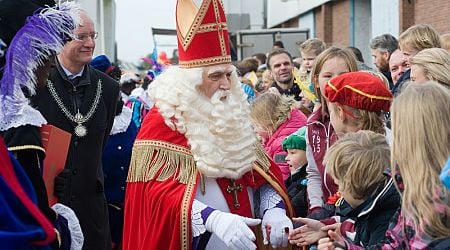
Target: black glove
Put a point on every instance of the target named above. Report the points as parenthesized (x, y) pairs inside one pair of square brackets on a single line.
[(61, 183)]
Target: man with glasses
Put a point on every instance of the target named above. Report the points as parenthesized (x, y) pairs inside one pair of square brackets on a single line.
[(82, 101)]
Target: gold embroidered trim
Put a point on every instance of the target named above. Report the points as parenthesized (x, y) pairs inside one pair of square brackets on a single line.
[(205, 61), (197, 27), (185, 214), (219, 30), (17, 148), (186, 41), (368, 95), (360, 92), (212, 27), (162, 144), (263, 159), (332, 86), (158, 160)]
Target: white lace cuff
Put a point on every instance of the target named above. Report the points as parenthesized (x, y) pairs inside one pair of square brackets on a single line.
[(269, 198), (198, 225)]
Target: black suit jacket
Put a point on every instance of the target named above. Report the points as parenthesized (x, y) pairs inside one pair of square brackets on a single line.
[(84, 193)]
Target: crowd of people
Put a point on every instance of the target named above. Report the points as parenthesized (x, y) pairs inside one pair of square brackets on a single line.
[(319, 151)]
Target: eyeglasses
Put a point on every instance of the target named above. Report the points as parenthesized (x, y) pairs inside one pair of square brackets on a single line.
[(85, 37)]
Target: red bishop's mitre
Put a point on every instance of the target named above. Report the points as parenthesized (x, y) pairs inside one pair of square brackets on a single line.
[(202, 34)]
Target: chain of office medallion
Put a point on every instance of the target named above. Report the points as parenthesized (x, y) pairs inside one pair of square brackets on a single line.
[(66, 111)]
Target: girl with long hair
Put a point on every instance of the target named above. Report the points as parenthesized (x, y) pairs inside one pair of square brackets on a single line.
[(431, 65), (330, 63)]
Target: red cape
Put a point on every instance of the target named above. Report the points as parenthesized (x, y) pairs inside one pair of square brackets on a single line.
[(160, 190)]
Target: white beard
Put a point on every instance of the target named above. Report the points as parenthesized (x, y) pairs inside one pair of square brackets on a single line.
[(219, 131)]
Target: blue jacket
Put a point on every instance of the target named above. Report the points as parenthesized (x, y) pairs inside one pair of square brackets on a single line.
[(116, 160)]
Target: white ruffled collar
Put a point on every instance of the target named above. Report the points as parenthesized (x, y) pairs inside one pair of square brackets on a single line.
[(122, 121), (26, 115)]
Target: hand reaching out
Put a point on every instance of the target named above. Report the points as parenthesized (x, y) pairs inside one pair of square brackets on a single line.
[(233, 230), (307, 234), (334, 241), (275, 227), (336, 227)]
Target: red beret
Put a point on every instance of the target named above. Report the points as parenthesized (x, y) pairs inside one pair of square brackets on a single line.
[(359, 90)]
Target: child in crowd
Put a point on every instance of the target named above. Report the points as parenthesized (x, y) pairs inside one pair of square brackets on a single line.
[(355, 102), (410, 42), (309, 50), (431, 64), (356, 162), (421, 146), (274, 117), (266, 80), (320, 135), (295, 145)]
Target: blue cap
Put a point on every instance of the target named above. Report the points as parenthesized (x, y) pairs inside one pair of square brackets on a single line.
[(101, 63)]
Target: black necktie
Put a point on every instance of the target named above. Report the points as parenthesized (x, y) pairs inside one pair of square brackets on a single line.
[(75, 80)]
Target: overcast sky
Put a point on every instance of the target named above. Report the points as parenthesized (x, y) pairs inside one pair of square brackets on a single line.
[(135, 18)]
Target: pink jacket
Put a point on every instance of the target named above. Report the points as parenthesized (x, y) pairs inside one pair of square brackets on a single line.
[(272, 145)]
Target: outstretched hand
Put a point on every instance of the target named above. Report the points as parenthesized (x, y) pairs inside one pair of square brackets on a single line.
[(307, 234), (334, 241), (275, 227), (233, 230)]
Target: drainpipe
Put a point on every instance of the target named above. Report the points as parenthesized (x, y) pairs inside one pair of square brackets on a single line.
[(102, 27), (264, 14), (352, 23)]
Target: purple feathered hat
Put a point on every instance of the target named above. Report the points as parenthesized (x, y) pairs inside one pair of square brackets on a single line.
[(43, 35)]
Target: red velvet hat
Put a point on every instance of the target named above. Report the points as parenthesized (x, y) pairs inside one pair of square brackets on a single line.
[(202, 34), (359, 90)]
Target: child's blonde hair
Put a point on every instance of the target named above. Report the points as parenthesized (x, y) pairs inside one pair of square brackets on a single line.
[(435, 63), (270, 110), (445, 41), (363, 119), (421, 146), (326, 55), (313, 45), (357, 161), (420, 37)]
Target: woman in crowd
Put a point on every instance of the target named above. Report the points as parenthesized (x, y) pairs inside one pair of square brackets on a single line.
[(431, 64), (416, 38)]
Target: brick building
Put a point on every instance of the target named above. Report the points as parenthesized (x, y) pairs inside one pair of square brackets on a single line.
[(355, 22)]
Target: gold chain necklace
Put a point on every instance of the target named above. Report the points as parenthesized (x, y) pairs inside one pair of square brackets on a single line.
[(80, 130)]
